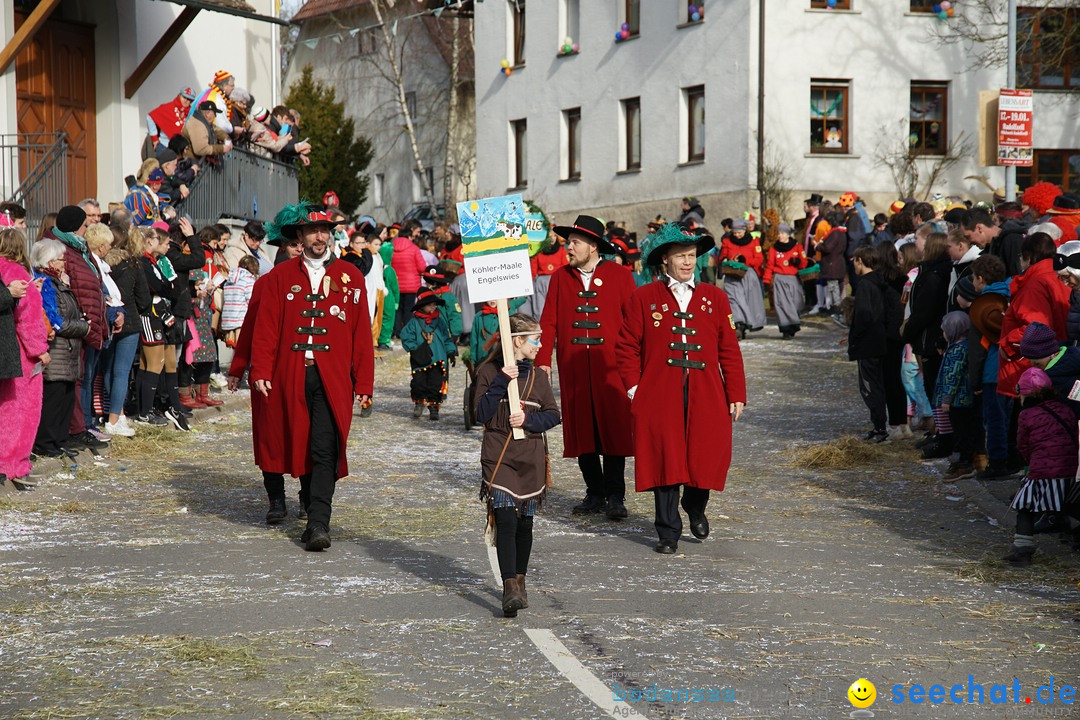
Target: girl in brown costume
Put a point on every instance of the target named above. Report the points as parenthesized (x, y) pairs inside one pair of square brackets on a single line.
[(515, 472)]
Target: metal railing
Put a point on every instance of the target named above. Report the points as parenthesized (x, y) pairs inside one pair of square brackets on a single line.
[(33, 173), (243, 185)]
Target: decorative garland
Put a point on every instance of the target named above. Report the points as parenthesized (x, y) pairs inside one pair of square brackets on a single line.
[(817, 111)]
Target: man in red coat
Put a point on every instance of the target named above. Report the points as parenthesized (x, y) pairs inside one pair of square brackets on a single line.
[(273, 482), (581, 319), (311, 357), (679, 359)]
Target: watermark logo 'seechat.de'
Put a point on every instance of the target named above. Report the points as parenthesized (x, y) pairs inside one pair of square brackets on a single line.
[(862, 694)]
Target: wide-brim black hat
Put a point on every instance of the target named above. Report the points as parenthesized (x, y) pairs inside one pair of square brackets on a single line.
[(591, 228), (426, 297)]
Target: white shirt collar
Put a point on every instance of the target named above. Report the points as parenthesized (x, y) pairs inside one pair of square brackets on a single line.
[(672, 282), (317, 263)]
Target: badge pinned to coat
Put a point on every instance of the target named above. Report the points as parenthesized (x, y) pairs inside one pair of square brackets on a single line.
[(295, 289)]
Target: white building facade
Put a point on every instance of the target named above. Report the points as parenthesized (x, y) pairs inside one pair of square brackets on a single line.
[(342, 42), (97, 46), (625, 129)]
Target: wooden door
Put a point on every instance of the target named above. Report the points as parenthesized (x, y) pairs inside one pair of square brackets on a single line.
[(54, 78)]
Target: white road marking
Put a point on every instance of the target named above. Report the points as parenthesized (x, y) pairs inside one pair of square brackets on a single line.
[(572, 669), (564, 661)]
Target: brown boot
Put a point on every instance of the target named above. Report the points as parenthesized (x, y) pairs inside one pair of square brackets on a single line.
[(511, 598), (524, 594), (204, 396), (188, 399)]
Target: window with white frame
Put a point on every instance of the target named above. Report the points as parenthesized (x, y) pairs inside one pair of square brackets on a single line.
[(515, 45), (928, 114), (570, 160), (569, 22), (630, 134), (692, 124), (377, 188), (630, 15), (519, 154)]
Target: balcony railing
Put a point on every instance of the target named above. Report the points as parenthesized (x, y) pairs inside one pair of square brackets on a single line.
[(33, 173), (244, 185)]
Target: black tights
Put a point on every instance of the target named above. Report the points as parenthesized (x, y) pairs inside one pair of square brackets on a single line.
[(513, 541)]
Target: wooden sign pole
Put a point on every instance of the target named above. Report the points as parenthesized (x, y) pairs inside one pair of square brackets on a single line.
[(512, 395)]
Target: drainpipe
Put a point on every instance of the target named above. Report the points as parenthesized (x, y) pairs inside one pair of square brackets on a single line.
[(761, 106)]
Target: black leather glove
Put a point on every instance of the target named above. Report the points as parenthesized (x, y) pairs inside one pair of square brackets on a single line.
[(796, 262), (453, 359), (740, 259)]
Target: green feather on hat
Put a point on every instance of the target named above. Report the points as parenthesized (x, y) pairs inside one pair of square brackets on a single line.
[(288, 215)]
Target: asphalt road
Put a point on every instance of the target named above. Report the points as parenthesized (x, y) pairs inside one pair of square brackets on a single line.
[(145, 585)]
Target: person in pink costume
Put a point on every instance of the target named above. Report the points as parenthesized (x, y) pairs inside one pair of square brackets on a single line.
[(20, 397)]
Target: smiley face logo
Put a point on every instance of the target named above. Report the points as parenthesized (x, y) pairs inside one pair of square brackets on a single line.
[(862, 693)]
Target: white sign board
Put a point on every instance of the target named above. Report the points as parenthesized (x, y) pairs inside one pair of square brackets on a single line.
[(503, 275)]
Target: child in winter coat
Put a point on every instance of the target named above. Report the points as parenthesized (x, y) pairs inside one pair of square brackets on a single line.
[(1047, 437), (952, 393), (237, 297), (986, 311), (427, 339), (515, 472), (485, 325)]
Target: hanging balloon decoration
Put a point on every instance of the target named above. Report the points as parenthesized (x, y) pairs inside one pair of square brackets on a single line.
[(504, 67), (623, 33), (944, 10), (568, 46), (830, 4), (696, 13)]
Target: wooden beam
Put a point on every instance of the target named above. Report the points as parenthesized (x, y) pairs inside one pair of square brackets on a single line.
[(159, 51), (26, 33)]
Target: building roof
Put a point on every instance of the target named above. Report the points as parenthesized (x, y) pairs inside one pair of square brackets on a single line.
[(238, 8), (315, 8)]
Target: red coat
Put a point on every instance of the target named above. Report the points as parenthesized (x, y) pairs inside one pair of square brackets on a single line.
[(347, 368), (169, 118), (408, 263), (789, 262), (548, 263), (751, 252), (589, 385), (1037, 296), (669, 450), (264, 451)]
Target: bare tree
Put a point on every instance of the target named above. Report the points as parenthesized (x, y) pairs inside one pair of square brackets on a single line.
[(908, 164), (1048, 33), (390, 47), (776, 181)]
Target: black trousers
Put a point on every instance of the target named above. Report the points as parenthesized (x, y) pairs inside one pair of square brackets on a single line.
[(605, 475), (57, 404), (895, 395), (872, 389), (668, 521), (404, 312), (513, 542), (317, 489), (967, 428), (274, 484)]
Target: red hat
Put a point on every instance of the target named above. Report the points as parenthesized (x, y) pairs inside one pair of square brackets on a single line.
[(330, 199), (221, 76)]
